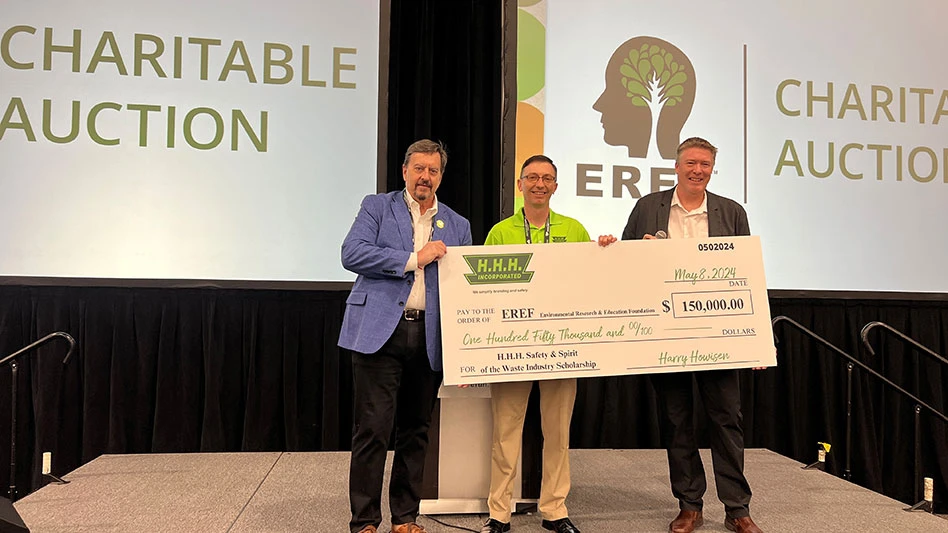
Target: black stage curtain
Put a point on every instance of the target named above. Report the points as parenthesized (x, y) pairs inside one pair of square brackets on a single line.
[(789, 409), (190, 370), (445, 84), (172, 370)]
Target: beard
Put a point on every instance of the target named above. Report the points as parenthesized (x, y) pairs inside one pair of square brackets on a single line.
[(423, 190)]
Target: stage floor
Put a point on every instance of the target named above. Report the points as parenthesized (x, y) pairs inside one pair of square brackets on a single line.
[(613, 490)]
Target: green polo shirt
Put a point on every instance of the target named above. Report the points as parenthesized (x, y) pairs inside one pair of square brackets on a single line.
[(562, 229)]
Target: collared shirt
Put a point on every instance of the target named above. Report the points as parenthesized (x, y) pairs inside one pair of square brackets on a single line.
[(684, 224), (421, 227), (562, 229)]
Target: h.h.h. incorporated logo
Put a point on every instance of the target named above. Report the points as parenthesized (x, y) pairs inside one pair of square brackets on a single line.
[(488, 269)]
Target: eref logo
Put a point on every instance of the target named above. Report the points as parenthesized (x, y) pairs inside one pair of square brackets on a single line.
[(498, 268), (650, 90)]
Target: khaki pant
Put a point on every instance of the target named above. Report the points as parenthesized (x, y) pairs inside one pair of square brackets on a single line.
[(509, 405)]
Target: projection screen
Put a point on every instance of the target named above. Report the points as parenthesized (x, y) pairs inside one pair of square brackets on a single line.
[(185, 140), (831, 119)]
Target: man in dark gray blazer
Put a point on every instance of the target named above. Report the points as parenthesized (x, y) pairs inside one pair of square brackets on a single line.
[(690, 211)]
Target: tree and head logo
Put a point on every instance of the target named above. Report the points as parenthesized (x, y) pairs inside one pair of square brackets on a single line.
[(650, 90)]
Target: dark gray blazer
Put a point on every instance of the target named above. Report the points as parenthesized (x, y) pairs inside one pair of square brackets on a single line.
[(726, 218)]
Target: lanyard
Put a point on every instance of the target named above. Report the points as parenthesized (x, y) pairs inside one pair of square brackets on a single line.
[(526, 228)]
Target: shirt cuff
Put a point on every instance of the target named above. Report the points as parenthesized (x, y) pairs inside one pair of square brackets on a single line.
[(412, 264)]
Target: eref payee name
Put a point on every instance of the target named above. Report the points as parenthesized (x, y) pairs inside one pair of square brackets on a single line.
[(597, 312)]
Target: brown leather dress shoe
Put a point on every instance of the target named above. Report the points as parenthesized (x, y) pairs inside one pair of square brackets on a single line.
[(410, 527), (743, 524), (686, 522)]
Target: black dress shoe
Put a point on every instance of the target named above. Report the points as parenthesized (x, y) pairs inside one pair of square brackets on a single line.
[(563, 525), (495, 526)]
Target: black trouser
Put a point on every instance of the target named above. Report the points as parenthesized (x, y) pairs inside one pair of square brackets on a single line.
[(395, 384), (720, 392)]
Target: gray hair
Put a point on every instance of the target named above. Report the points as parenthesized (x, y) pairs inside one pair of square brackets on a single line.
[(426, 146), (696, 142)]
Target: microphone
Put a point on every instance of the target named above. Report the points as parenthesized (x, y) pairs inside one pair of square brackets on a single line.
[(660, 234)]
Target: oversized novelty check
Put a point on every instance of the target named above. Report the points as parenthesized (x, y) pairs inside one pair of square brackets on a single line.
[(550, 311)]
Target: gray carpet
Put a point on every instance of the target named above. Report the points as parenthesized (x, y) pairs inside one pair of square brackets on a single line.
[(169, 492), (613, 490)]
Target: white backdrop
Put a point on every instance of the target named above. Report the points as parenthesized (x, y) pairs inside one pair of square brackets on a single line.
[(832, 233), (277, 212)]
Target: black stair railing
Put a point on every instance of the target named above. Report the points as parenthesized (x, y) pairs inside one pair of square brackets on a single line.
[(852, 362), (864, 334)]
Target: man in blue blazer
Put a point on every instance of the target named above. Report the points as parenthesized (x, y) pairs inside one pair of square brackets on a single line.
[(690, 211), (392, 325)]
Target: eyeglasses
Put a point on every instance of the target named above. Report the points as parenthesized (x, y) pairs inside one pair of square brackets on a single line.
[(533, 178)]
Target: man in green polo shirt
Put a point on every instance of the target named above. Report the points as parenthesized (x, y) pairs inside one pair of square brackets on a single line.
[(534, 224)]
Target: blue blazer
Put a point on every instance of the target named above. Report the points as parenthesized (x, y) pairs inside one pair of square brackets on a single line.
[(377, 249)]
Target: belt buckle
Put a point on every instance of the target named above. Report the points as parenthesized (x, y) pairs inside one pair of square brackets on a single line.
[(412, 315)]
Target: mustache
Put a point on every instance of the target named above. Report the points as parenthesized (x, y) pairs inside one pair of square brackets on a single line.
[(424, 183)]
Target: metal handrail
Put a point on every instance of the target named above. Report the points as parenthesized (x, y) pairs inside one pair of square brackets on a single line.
[(863, 366), (852, 361), (865, 340), (11, 359), (864, 334)]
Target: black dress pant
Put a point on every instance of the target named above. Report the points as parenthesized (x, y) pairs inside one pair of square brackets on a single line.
[(720, 393), (392, 386)]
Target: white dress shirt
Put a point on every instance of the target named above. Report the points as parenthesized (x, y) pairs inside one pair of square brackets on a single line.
[(421, 226), (684, 224)]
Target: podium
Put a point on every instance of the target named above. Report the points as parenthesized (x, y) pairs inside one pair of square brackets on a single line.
[(457, 467)]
